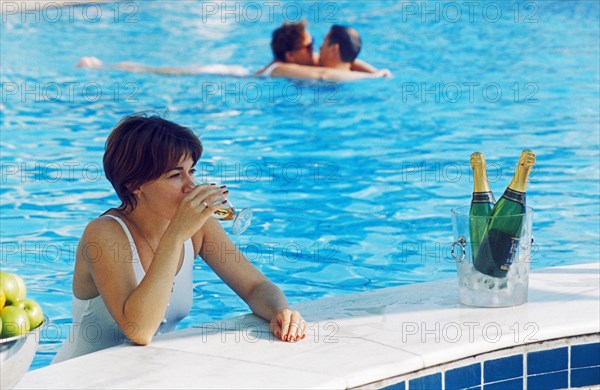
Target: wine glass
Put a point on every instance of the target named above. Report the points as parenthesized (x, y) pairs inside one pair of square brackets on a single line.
[(241, 219)]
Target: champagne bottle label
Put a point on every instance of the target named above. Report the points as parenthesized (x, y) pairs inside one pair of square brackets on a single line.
[(515, 196), (483, 197), (498, 251)]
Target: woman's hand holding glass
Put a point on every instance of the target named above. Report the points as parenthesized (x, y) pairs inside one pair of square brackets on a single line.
[(241, 219), (197, 206)]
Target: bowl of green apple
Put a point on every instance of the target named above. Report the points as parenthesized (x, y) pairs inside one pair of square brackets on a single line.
[(21, 321)]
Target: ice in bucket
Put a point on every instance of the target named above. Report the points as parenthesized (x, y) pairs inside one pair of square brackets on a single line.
[(479, 289)]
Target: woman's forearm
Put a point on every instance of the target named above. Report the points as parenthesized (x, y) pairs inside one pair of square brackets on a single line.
[(145, 308), (266, 300)]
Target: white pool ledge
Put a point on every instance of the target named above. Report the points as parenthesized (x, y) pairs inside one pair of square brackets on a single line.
[(353, 340)]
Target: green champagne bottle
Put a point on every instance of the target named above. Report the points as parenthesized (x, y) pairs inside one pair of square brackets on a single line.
[(482, 202), (503, 232)]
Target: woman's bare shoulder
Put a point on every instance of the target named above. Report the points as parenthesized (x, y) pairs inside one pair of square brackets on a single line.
[(103, 227), (103, 236)]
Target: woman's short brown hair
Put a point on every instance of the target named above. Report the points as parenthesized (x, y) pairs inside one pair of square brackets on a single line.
[(286, 38), (141, 148)]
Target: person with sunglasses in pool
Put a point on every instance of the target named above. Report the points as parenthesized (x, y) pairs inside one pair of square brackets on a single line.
[(292, 47), (133, 268)]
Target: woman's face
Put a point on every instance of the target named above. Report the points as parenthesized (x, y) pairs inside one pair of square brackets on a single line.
[(164, 194), (303, 55)]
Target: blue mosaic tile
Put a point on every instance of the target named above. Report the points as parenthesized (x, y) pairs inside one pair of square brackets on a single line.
[(396, 386), (555, 380), (429, 382), (503, 368), (547, 361), (513, 384), (585, 376), (463, 377), (586, 355)]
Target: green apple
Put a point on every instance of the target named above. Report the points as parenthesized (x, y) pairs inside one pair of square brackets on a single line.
[(33, 310), (21, 284), (14, 321), (13, 286)]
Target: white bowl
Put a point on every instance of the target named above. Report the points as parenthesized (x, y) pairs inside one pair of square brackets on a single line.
[(16, 355)]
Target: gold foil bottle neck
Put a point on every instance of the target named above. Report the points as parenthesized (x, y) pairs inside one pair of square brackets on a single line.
[(480, 179), (521, 177)]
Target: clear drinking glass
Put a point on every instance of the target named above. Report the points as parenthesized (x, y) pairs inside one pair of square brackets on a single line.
[(241, 219)]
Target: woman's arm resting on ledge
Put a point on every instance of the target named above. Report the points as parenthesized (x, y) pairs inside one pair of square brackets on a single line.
[(137, 309), (286, 324), (264, 298)]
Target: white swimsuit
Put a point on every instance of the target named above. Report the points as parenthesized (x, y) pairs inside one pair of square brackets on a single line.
[(267, 72), (94, 328)]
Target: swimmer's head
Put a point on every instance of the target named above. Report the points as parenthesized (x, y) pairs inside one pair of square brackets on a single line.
[(291, 43), (342, 44), (141, 148)]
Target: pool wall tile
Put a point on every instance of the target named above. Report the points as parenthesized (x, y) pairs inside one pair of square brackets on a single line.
[(547, 361), (585, 376), (503, 368), (396, 386), (514, 384), (586, 355), (463, 377), (554, 380), (429, 382), (546, 369)]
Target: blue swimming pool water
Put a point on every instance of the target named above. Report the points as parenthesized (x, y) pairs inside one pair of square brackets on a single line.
[(351, 184)]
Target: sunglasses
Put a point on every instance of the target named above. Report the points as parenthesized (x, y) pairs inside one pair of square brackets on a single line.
[(308, 47)]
